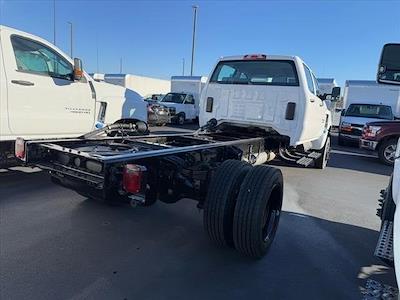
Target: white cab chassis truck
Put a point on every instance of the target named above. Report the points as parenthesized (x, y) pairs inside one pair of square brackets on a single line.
[(220, 166), (279, 97), (45, 94), (388, 245)]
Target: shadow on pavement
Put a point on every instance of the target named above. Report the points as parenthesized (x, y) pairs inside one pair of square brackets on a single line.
[(358, 163), (162, 252), (349, 162)]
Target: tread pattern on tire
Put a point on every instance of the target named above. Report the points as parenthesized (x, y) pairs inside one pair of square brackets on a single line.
[(219, 206), (247, 225)]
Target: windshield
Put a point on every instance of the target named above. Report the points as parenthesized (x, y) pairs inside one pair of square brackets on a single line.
[(370, 111), (174, 98), (256, 72)]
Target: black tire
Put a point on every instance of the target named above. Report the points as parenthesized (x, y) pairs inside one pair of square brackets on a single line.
[(257, 211), (322, 161), (181, 119), (341, 141), (219, 206), (384, 148), (388, 207)]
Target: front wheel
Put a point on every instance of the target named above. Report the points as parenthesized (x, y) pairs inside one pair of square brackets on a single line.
[(181, 119), (322, 161), (387, 152)]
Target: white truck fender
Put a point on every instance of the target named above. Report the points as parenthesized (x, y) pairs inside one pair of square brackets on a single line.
[(122, 103), (319, 143)]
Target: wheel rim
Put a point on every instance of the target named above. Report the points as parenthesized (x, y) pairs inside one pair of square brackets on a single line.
[(272, 213), (181, 120), (389, 152)]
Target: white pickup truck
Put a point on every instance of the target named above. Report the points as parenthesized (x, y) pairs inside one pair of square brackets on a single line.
[(388, 246), (275, 94), (45, 94)]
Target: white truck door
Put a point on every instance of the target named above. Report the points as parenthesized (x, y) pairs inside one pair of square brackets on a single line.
[(43, 98), (317, 108), (190, 107)]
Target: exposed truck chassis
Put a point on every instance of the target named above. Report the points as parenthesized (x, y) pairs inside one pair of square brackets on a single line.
[(241, 202)]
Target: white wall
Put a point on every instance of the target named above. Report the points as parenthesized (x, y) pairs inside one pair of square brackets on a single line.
[(142, 85)]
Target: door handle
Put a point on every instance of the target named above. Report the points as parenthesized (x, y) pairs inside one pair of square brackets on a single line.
[(312, 100), (22, 82)]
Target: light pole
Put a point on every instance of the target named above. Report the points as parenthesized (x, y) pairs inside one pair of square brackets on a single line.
[(54, 22), (71, 38), (195, 7), (183, 67)]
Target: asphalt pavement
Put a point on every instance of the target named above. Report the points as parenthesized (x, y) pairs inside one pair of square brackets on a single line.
[(55, 244)]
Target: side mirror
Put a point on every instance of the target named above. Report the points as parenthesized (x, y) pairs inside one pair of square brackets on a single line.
[(389, 64), (78, 71), (335, 92), (343, 112)]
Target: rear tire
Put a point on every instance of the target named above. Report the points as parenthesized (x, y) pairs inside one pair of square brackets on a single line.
[(387, 151), (321, 162), (341, 141), (219, 206), (257, 211)]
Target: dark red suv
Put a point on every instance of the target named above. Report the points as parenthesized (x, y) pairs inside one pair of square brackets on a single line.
[(381, 137)]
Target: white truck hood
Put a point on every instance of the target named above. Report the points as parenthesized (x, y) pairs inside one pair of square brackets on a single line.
[(122, 103), (359, 120)]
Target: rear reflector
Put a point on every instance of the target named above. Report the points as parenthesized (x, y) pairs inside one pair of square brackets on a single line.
[(133, 178), (255, 56), (20, 148)]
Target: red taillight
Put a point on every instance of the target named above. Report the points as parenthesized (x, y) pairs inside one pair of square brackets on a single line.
[(20, 148), (255, 56), (133, 178)]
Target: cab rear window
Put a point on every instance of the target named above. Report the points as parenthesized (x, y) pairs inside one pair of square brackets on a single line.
[(256, 72)]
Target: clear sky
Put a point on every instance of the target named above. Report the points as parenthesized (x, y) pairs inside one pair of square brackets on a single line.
[(339, 39)]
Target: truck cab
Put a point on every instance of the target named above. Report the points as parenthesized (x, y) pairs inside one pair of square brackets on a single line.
[(46, 94), (278, 94)]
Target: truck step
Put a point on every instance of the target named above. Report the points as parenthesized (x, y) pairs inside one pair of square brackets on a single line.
[(384, 247), (309, 159), (305, 161), (314, 155), (376, 290)]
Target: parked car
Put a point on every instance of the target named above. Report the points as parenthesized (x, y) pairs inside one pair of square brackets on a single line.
[(46, 94), (157, 114), (154, 98), (356, 116), (366, 101), (184, 98), (381, 137), (182, 107)]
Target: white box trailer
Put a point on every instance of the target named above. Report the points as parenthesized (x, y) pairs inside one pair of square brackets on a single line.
[(144, 86), (370, 92), (188, 84)]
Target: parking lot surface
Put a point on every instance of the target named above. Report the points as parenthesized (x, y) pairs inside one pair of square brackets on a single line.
[(55, 244)]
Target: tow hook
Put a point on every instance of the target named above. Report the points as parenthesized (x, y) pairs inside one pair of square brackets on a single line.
[(136, 200)]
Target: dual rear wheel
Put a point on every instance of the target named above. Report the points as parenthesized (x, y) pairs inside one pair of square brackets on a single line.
[(243, 207)]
